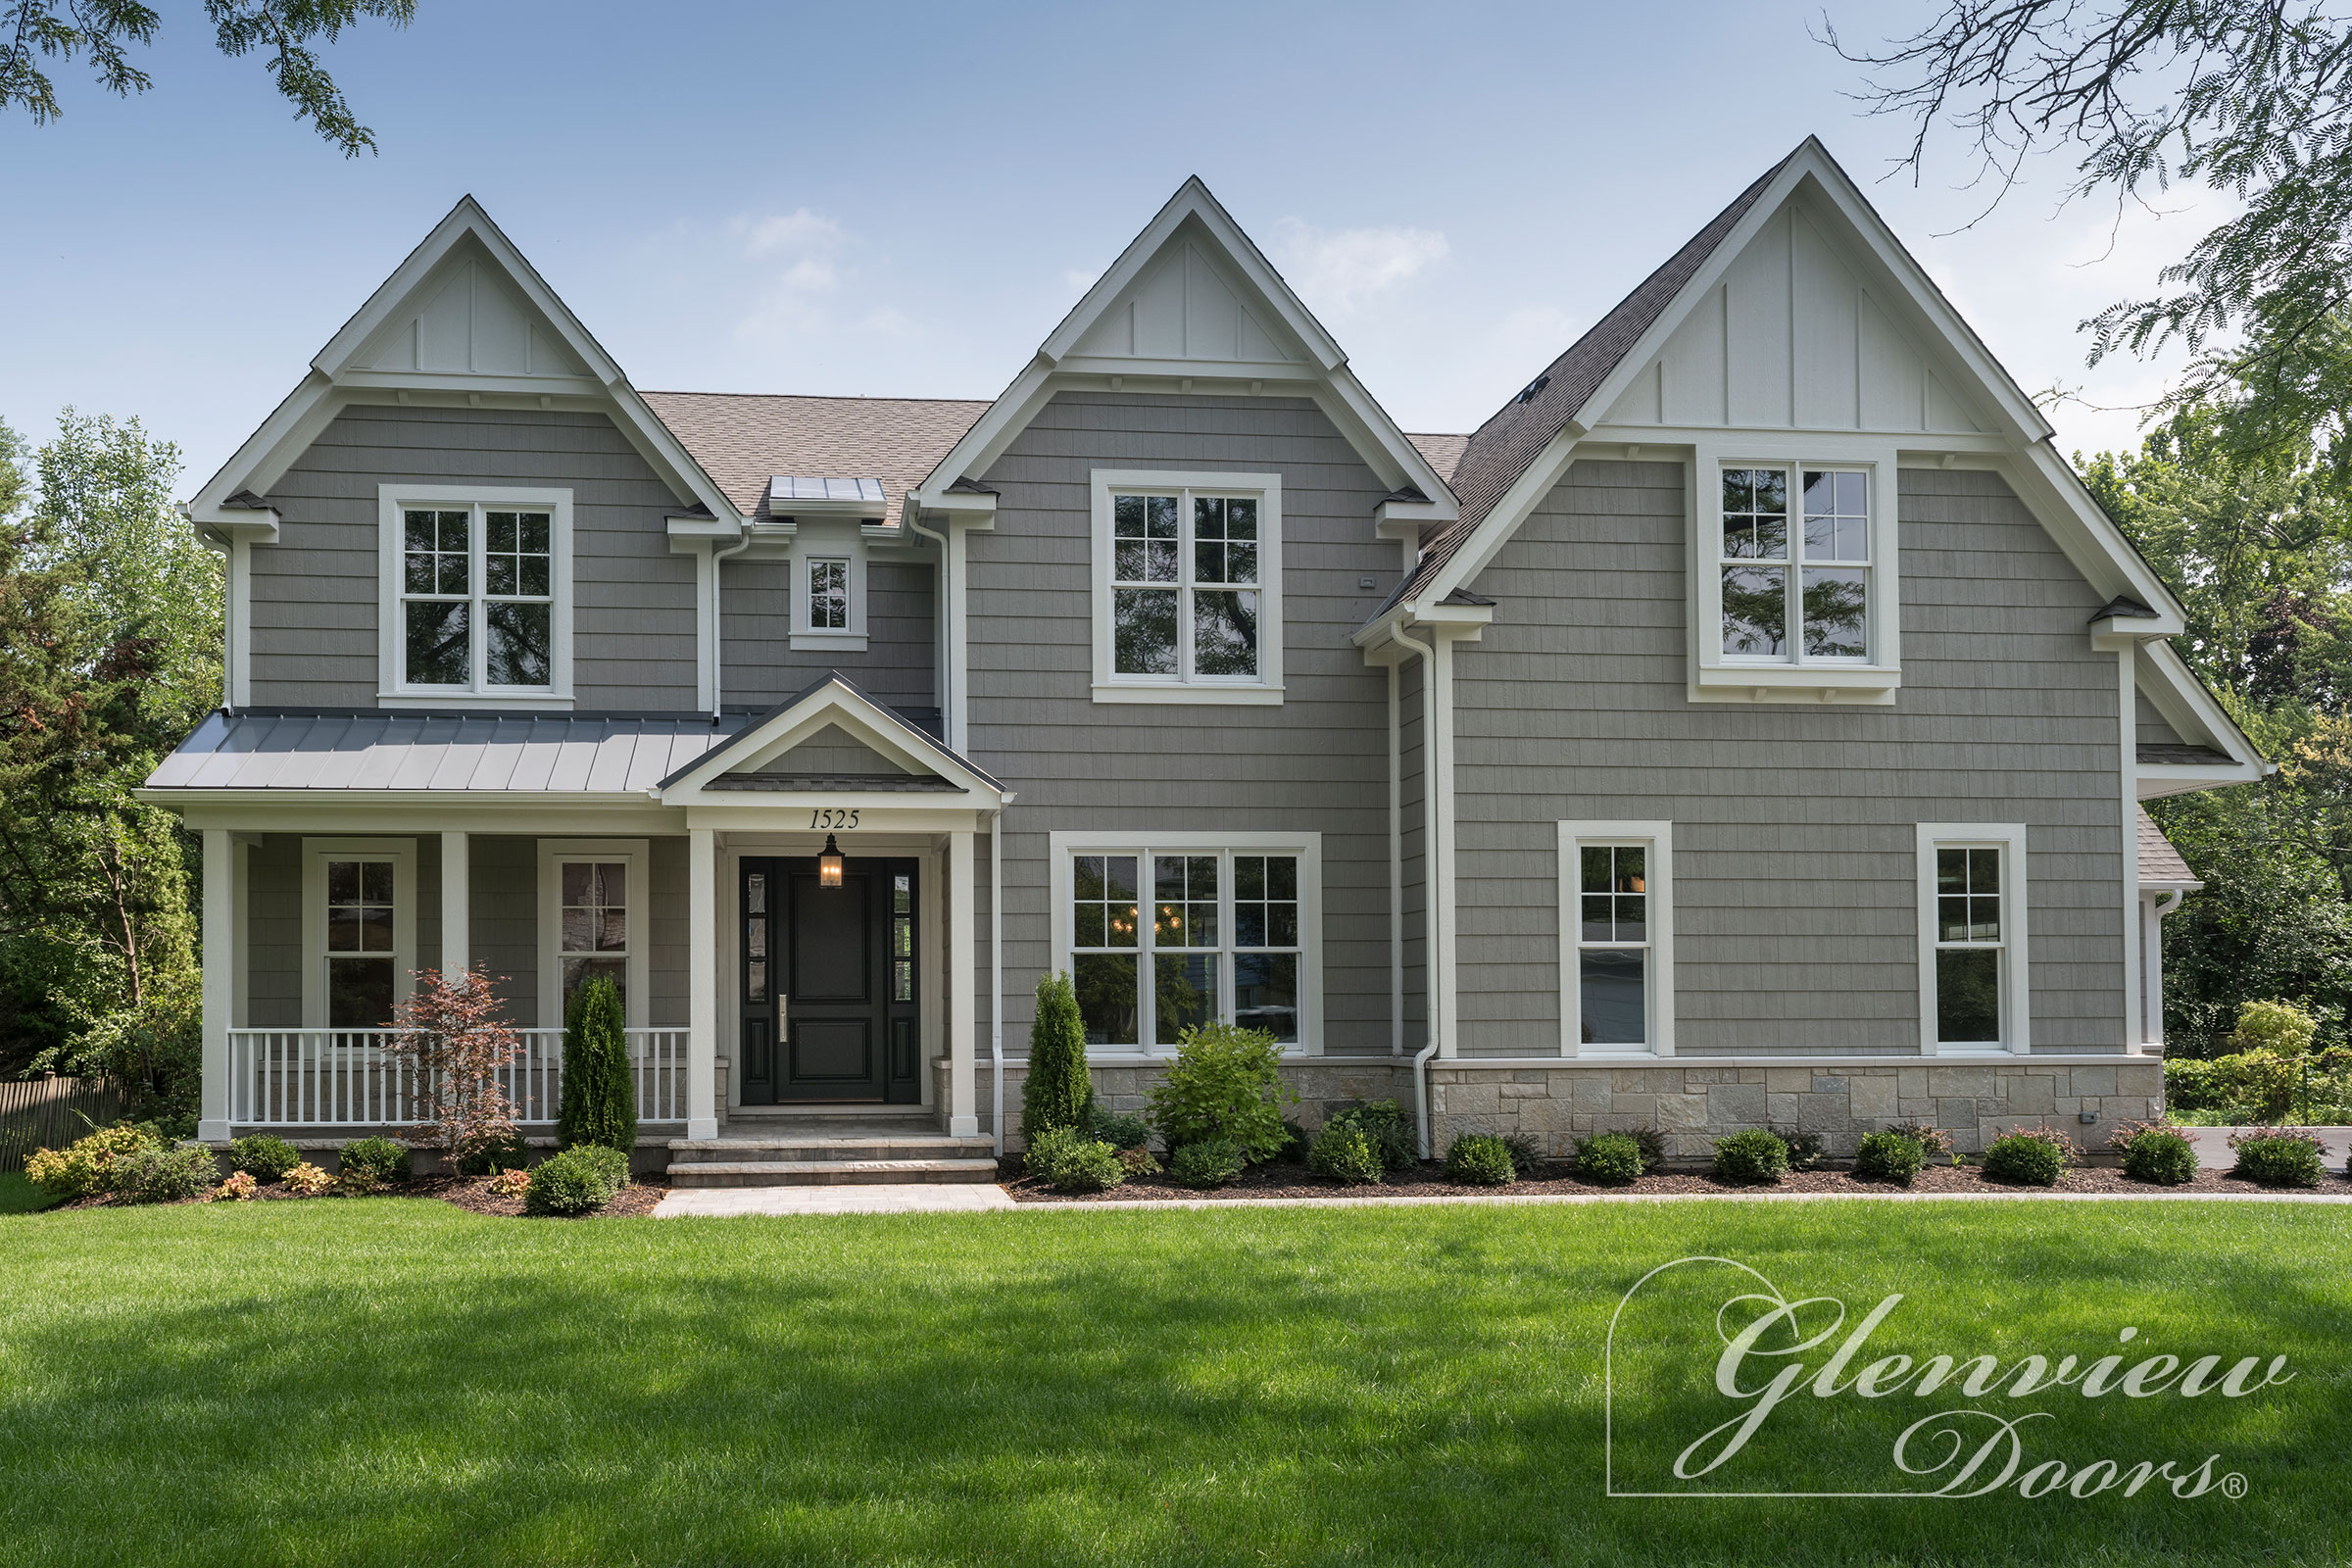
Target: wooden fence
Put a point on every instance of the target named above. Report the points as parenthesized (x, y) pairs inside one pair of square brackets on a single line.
[(47, 1112)]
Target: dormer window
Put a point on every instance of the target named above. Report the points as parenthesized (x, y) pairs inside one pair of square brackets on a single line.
[(828, 595), (828, 587), (476, 602)]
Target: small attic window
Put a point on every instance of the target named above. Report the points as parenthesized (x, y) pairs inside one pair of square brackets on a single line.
[(1528, 393)]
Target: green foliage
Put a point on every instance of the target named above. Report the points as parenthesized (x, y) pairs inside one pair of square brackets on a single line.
[(2278, 1027), (1211, 1164), (1527, 1155), (166, 1175), (1389, 1127), (263, 1156), (284, 31), (1058, 1091), (2031, 1156), (378, 1159), (580, 1180), (1344, 1150), (1889, 1156), (2257, 1086), (1613, 1159), (598, 1103), (20, 1196), (1479, 1159), (1069, 1161), (2164, 1159), (1295, 1142), (1652, 1144), (1806, 1149), (1121, 1129), (87, 1166), (1225, 1083), (511, 1152), (2271, 1156), (1754, 1157)]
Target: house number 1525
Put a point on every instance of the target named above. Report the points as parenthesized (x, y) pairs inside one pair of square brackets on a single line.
[(833, 818)]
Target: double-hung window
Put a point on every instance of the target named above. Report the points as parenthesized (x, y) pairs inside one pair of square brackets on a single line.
[(592, 923), (359, 932), (1164, 934), (476, 600), (1188, 587), (1616, 938), (1973, 964)]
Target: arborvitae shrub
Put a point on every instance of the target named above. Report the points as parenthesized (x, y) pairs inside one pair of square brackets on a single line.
[(1058, 1093), (598, 1099)]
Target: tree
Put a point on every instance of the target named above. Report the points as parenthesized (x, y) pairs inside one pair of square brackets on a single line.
[(2251, 98), (1059, 1092), (105, 31), (454, 1029), (598, 1103)]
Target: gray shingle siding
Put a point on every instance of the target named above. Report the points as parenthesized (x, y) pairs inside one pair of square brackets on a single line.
[(1319, 763), (1794, 862), (315, 593), (761, 667)]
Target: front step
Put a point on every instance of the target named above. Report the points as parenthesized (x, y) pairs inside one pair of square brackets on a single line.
[(827, 1172)]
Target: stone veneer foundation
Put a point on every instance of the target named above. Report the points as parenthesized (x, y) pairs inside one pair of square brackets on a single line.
[(1693, 1101)]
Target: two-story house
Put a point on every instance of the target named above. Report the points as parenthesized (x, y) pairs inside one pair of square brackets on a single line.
[(1746, 725)]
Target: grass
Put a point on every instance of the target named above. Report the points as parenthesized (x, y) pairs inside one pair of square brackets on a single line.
[(399, 1381), (20, 1197)]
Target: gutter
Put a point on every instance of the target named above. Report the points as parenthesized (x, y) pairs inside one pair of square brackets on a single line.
[(1430, 904)]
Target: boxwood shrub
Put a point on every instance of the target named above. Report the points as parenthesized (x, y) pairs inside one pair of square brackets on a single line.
[(1121, 1129), (1069, 1161), (263, 1156), (580, 1180), (1345, 1151), (1754, 1158), (1479, 1159), (166, 1175), (1889, 1156), (378, 1159), (1614, 1160), (2271, 1156), (1211, 1163), (1390, 1131), (2161, 1158), (2031, 1156)]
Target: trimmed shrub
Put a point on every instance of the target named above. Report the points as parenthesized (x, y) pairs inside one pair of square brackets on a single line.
[(1754, 1158), (1806, 1149), (598, 1101), (1224, 1083), (1122, 1129), (1527, 1155), (307, 1180), (1614, 1160), (580, 1180), (2249, 1086), (2031, 1156), (1069, 1161), (1345, 1151), (1295, 1142), (378, 1159), (2160, 1157), (263, 1156), (1058, 1093), (511, 1152), (1391, 1130), (1479, 1159), (1207, 1164), (166, 1175), (85, 1167), (2273, 1156), (1889, 1156)]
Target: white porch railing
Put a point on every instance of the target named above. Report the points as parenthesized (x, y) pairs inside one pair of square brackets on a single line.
[(346, 1077)]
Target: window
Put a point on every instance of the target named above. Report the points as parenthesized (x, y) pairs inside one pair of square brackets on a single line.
[(828, 596), (477, 589), (359, 931), (1973, 970), (593, 895), (1163, 935), (1795, 593), (1188, 587), (827, 577), (1616, 938)]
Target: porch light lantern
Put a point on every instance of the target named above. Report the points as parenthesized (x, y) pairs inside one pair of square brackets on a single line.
[(828, 864)]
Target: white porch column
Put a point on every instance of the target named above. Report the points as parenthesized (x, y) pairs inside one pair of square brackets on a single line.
[(702, 983), (964, 1105), (456, 931), (219, 979)]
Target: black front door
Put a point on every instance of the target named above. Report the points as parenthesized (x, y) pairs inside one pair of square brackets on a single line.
[(827, 983)]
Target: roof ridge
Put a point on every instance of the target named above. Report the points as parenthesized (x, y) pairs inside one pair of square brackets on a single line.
[(814, 396)]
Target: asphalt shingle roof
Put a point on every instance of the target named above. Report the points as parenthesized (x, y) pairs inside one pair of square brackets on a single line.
[(2158, 862)]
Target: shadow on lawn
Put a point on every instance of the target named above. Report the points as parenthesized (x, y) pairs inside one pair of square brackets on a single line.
[(1302, 1389)]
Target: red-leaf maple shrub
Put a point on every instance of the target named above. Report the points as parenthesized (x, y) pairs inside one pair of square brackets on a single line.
[(456, 1033)]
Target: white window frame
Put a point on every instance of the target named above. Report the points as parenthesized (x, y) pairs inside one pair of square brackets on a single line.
[(392, 685), (828, 539), (1065, 848), (1657, 838), (637, 856), (315, 852), (2017, 996), (1265, 690), (1717, 676)]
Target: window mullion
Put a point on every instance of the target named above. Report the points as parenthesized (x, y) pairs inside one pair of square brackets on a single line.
[(1146, 946), (1184, 586), (477, 608)]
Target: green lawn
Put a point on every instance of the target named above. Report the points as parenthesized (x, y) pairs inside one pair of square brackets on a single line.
[(20, 1197), (398, 1382)]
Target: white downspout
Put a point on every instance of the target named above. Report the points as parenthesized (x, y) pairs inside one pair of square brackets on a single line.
[(1395, 864), (996, 968), (718, 661), (946, 659), (1430, 903)]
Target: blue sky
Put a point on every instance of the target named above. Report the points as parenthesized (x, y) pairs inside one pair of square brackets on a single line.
[(904, 199)]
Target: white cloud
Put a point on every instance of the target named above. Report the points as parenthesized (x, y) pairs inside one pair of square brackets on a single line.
[(810, 286), (1078, 279), (1339, 270), (799, 232)]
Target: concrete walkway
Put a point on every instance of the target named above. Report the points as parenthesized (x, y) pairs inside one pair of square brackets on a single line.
[(878, 1198)]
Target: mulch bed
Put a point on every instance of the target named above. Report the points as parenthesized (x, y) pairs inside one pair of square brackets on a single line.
[(470, 1193), (1278, 1180)]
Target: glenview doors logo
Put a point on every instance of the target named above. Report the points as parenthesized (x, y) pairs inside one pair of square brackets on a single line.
[(1718, 1385)]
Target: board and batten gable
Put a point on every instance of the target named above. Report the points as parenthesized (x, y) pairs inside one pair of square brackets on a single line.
[(315, 593), (1795, 910), (1317, 762)]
